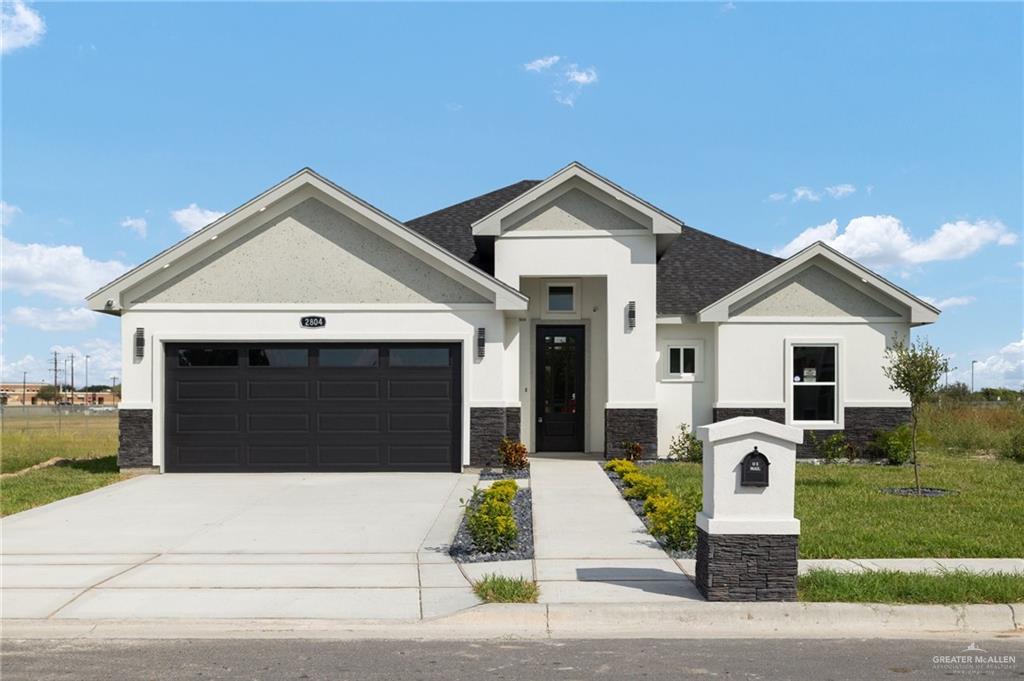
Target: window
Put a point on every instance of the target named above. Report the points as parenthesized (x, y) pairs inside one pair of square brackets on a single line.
[(349, 357), (208, 357), (278, 357), (684, 361), (419, 357), (561, 299), (813, 383)]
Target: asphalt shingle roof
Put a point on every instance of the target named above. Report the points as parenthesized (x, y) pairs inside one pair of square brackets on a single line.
[(696, 270)]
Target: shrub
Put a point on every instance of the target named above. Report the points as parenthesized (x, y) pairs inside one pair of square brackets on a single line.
[(830, 448), (673, 518), (491, 525), (894, 444), (502, 490), (640, 486), (620, 467), (513, 454), (632, 450), (686, 446), (1014, 447)]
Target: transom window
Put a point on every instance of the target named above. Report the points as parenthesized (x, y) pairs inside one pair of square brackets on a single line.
[(561, 299), (813, 383)]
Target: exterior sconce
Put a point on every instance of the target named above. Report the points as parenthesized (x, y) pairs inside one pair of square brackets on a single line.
[(631, 314), (481, 342), (140, 343)]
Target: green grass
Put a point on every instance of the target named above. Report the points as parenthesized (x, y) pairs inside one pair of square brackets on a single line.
[(35, 488), (28, 440), (970, 428), (498, 589), (844, 515), (910, 587)]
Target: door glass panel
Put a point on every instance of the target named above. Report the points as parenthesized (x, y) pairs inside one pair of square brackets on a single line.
[(278, 357), (560, 374), (349, 357), (208, 357), (419, 357)]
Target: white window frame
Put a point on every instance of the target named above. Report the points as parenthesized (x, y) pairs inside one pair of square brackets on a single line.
[(838, 423), (574, 313), (697, 346)]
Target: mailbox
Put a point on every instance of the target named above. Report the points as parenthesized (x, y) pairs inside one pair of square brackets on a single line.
[(754, 470)]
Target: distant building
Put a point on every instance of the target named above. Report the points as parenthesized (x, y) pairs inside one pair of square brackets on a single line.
[(18, 394)]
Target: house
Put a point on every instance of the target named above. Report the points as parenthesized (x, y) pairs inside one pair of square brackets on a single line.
[(309, 330)]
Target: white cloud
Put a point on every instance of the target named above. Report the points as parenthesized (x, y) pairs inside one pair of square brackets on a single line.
[(805, 194), (575, 74), (20, 26), (192, 218), (840, 191), (542, 64), (7, 213), (1005, 369), (728, 7), (104, 362), (952, 301), (55, 319), (778, 196), (137, 225), (882, 240), (61, 272)]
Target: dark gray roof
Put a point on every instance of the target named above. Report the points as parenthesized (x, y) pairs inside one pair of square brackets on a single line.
[(696, 270)]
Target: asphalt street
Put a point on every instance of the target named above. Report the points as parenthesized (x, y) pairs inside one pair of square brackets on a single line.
[(651, 660)]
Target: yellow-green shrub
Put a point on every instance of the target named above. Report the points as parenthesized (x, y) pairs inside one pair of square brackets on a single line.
[(673, 518), (640, 486), (492, 525), (620, 467), (503, 490)]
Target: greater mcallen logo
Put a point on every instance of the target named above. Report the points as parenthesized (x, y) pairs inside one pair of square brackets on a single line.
[(972, 660)]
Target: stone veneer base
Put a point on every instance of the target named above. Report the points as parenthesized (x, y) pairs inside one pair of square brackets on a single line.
[(746, 567), (135, 438), (487, 426), (633, 425)]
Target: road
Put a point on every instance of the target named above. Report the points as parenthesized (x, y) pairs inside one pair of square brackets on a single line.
[(651, 660)]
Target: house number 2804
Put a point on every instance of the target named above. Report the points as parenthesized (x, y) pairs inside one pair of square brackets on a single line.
[(313, 322)]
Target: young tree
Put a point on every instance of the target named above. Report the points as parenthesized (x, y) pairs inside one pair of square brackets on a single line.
[(47, 393), (914, 369)]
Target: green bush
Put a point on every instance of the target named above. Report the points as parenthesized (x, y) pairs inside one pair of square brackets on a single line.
[(894, 444), (491, 524), (673, 518), (686, 446), (831, 448), (502, 490), (620, 467), (1014, 446), (640, 486), (501, 589)]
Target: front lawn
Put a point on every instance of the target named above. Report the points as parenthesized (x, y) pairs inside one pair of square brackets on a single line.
[(46, 485), (35, 434), (844, 515), (910, 587)]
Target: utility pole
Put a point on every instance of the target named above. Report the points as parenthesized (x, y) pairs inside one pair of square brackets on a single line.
[(87, 400), (23, 375), (72, 379), (973, 362), (56, 375)]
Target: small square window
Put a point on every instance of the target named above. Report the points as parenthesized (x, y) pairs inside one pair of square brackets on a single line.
[(682, 361), (561, 299)]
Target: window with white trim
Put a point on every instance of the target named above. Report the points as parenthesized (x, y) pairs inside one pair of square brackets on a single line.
[(683, 362), (561, 299), (814, 383)]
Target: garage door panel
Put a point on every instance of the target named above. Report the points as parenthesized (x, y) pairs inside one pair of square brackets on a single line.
[(277, 409)]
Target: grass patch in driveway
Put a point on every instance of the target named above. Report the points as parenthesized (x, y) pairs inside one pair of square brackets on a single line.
[(886, 586), (499, 589), (844, 515), (35, 488)]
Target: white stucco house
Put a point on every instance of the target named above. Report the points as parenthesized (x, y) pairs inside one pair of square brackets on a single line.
[(309, 330)]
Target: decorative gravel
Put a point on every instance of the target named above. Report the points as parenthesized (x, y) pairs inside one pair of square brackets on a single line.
[(502, 474), (925, 491), (463, 551), (638, 508)]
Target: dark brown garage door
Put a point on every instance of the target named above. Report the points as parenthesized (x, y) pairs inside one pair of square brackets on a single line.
[(323, 407)]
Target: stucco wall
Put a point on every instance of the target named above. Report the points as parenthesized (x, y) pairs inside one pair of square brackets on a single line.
[(683, 401), (574, 210), (813, 292), (305, 255), (143, 381)]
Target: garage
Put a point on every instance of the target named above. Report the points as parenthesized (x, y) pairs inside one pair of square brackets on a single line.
[(249, 407)]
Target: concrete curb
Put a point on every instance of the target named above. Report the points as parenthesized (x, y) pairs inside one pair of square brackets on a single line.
[(568, 621)]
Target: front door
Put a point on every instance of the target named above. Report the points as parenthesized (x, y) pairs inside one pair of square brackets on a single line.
[(560, 388)]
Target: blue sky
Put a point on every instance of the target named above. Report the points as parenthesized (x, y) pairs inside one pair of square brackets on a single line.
[(893, 131)]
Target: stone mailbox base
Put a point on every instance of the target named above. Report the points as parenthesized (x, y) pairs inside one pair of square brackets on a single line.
[(746, 567)]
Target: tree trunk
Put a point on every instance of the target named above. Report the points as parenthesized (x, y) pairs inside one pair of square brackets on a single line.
[(913, 449)]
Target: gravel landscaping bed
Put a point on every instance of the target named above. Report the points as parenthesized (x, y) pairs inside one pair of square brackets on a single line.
[(463, 551), (502, 474), (638, 508), (912, 491)]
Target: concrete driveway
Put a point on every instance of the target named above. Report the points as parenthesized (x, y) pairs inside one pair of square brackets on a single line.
[(289, 545)]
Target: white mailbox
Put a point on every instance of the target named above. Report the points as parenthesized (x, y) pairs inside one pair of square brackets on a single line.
[(749, 477)]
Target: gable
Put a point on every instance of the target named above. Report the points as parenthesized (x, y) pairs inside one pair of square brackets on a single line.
[(812, 292), (311, 253), (573, 210)]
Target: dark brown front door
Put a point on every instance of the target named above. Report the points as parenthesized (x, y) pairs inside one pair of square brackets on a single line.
[(560, 388)]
